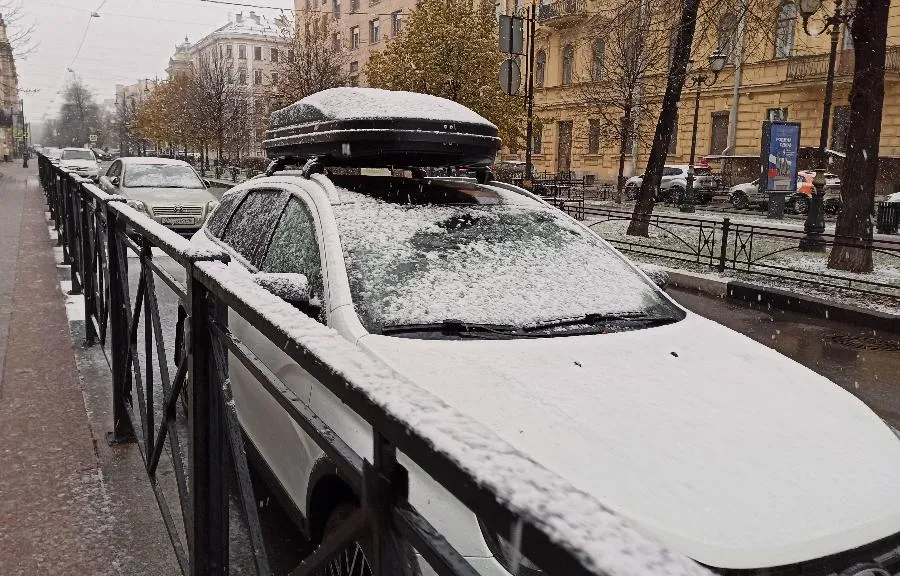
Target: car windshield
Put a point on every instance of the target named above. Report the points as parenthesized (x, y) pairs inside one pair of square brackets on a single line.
[(77, 155), (161, 176), (483, 256), (702, 171)]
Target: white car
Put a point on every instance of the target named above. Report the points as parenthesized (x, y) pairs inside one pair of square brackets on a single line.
[(169, 191), (528, 322), (81, 161), (674, 183), (895, 197)]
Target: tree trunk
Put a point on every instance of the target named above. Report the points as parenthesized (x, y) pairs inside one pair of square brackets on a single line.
[(640, 217), (623, 143), (853, 234)]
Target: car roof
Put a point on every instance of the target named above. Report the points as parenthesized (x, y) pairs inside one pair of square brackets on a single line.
[(152, 160), (74, 148)]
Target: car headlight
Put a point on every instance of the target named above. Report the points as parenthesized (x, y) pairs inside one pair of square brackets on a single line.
[(505, 551), (138, 205)]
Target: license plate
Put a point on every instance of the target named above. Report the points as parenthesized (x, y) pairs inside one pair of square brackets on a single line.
[(176, 221)]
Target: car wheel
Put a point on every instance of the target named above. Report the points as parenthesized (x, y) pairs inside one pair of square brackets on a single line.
[(801, 205), (740, 201), (354, 560)]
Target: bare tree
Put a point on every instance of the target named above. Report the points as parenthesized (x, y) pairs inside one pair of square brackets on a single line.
[(314, 60), (217, 95), (623, 58), (19, 29), (79, 115)]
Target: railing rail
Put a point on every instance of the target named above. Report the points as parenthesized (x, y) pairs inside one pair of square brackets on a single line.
[(815, 66), (560, 8), (565, 530)]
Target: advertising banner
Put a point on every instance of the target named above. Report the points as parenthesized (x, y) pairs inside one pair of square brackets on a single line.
[(779, 153)]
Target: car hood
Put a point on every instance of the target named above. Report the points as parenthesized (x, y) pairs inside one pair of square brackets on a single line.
[(722, 448), (169, 196)]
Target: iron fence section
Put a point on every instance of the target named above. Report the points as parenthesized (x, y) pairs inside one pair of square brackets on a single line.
[(98, 231), (724, 244)]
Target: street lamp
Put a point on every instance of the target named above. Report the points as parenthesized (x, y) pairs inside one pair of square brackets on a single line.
[(814, 226), (699, 80)]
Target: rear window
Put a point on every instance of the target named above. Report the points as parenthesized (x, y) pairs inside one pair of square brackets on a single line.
[(219, 218)]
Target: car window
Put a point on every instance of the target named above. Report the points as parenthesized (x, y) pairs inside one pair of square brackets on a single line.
[(250, 227), (216, 222), (77, 155), (294, 248), (161, 176), (114, 170)]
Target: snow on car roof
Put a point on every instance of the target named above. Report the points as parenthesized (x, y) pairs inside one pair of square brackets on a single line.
[(152, 160), (366, 103)]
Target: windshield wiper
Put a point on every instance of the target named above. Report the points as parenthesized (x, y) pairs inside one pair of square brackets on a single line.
[(453, 327), (600, 319)]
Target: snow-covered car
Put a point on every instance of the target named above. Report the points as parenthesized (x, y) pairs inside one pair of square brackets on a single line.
[(895, 197), (528, 322), (81, 161), (169, 191), (674, 183)]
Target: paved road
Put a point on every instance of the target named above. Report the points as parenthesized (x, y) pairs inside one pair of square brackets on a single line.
[(863, 362)]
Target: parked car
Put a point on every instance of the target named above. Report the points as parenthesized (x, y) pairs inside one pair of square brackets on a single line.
[(81, 161), (895, 197), (720, 447), (102, 155), (169, 191), (748, 195), (674, 183)]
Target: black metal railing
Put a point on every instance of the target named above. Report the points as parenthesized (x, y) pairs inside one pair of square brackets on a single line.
[(725, 245), (815, 66), (184, 419), (559, 9)]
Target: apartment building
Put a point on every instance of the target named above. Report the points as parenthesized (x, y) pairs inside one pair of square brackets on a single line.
[(11, 124)]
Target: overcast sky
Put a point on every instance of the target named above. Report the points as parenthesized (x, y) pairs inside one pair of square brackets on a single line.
[(131, 39)]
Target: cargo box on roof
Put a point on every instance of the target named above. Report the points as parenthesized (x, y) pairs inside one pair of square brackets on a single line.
[(369, 127)]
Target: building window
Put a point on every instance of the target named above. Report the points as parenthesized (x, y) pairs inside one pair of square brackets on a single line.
[(354, 38), (396, 23), (498, 9), (568, 64), (228, 53), (776, 115), (354, 67), (726, 35), (850, 8), (354, 5), (673, 139), (594, 130), (354, 81), (840, 127), (336, 42), (257, 77), (257, 52), (597, 50), (537, 141), (274, 78), (242, 76), (374, 31), (784, 33), (242, 52), (274, 55), (540, 68), (336, 8)]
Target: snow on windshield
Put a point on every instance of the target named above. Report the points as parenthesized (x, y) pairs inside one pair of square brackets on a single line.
[(509, 264), (161, 176), (77, 155)]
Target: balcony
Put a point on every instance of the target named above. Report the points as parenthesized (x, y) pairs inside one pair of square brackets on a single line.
[(815, 67), (561, 13)]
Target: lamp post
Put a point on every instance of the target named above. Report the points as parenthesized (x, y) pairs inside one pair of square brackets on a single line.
[(699, 80), (814, 226)]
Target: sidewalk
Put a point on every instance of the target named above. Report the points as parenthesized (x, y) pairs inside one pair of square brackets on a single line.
[(68, 503)]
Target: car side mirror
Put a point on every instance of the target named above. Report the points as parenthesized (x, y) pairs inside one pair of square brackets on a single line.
[(290, 287), (114, 180)]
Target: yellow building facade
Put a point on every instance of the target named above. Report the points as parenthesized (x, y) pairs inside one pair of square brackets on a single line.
[(782, 76)]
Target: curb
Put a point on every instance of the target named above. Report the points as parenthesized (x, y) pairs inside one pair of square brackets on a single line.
[(784, 300)]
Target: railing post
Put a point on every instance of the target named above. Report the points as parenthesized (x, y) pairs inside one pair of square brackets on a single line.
[(723, 249), (386, 485), (208, 530), (86, 260), (62, 211), (117, 262), (71, 243)]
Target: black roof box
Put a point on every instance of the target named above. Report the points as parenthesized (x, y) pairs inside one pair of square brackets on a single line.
[(369, 127)]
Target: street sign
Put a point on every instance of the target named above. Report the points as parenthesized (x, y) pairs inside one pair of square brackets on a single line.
[(512, 35), (510, 76), (92, 138), (778, 156)]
